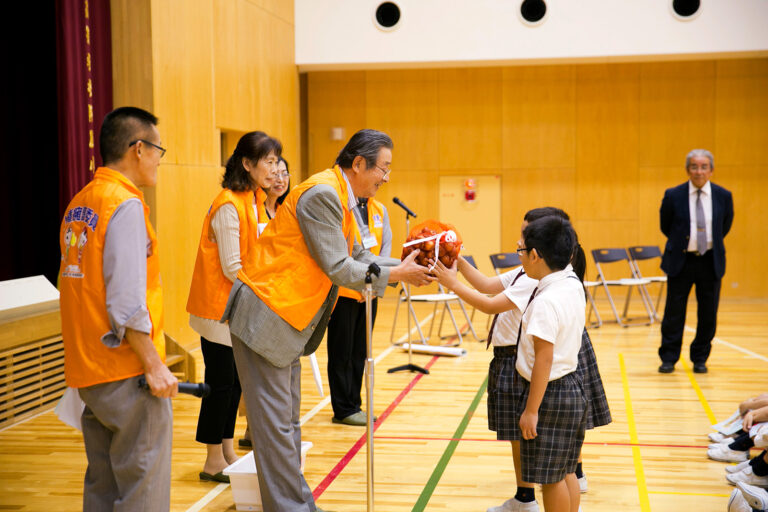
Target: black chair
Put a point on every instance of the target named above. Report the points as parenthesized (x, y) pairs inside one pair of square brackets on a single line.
[(639, 253), (504, 261), (614, 255)]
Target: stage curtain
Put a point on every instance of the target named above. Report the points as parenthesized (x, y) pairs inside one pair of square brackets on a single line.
[(84, 69)]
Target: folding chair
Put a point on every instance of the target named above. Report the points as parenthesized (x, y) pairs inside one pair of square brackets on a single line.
[(589, 286), (646, 252), (613, 255), (442, 297), (504, 261)]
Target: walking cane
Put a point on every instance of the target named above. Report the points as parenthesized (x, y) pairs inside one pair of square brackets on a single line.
[(368, 294)]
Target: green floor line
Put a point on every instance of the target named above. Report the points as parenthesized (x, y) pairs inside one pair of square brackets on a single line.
[(426, 494)]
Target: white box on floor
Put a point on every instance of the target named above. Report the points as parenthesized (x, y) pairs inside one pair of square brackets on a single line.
[(245, 483)]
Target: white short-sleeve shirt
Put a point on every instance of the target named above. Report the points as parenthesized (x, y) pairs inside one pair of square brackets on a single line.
[(555, 315), (508, 323)]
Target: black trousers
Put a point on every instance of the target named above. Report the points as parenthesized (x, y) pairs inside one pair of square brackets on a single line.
[(346, 355), (699, 271), (218, 411)]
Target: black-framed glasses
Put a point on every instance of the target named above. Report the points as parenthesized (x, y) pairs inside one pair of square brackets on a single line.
[(162, 149), (526, 249)]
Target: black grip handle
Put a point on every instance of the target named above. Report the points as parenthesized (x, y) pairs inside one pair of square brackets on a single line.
[(200, 390)]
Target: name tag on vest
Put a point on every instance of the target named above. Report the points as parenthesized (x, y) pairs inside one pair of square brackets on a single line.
[(369, 241)]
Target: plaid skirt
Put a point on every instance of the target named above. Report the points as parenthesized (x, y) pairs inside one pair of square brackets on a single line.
[(560, 430), (598, 413), (502, 402)]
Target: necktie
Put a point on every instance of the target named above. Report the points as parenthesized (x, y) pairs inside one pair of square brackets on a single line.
[(701, 225), (520, 327)]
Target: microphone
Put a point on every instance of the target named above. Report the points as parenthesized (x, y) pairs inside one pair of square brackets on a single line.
[(200, 390), (399, 203)]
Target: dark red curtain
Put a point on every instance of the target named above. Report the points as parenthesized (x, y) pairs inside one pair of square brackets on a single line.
[(84, 69)]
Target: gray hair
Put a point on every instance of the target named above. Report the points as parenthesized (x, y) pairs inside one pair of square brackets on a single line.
[(365, 143), (699, 153)]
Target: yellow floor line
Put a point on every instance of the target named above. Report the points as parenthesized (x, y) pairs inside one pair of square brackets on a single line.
[(642, 489), (699, 393)]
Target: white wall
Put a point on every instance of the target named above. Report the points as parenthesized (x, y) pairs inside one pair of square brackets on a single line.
[(341, 34)]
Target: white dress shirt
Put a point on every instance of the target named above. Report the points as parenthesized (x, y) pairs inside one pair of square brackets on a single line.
[(706, 203)]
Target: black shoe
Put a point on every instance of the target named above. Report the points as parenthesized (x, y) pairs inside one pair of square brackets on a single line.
[(699, 368), (667, 368), (244, 443)]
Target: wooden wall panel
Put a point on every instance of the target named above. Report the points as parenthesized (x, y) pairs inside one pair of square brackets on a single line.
[(741, 128), (407, 111), (182, 38), (469, 121), (602, 142), (336, 100), (606, 148), (677, 111), (132, 42), (539, 117)]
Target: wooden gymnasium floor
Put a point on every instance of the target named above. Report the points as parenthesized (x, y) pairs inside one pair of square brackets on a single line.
[(432, 447)]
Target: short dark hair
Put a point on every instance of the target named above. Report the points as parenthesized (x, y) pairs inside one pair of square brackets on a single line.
[(366, 143), (254, 146), (121, 127), (554, 239), (288, 188), (579, 259)]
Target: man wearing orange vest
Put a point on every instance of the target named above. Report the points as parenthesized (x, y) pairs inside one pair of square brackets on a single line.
[(112, 322), (347, 347), (282, 299)]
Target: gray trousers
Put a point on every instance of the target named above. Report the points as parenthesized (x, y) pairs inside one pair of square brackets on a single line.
[(127, 434), (272, 399)]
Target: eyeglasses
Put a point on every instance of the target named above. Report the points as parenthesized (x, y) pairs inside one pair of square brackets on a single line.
[(526, 249), (283, 175), (162, 149), (385, 171)]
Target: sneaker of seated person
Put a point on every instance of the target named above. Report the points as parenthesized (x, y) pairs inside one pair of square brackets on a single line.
[(737, 467), (737, 503), (747, 476), (513, 505), (756, 497), (722, 453), (717, 437), (583, 484)]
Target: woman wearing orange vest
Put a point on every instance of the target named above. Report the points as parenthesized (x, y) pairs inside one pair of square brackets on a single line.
[(346, 328), (230, 229)]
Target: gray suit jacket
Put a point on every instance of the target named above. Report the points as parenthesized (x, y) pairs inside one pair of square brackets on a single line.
[(319, 213)]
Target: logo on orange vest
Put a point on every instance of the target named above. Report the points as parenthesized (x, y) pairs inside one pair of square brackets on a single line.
[(377, 221), (82, 214)]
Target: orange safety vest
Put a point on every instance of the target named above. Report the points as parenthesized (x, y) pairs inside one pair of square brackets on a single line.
[(376, 227), (282, 272), (210, 288), (84, 319)]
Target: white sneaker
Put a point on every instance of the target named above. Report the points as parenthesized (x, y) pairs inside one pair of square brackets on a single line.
[(738, 467), (717, 437), (754, 496), (725, 442), (737, 503), (583, 484), (513, 505), (748, 477), (724, 454)]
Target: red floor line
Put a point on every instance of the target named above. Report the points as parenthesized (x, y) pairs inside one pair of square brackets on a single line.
[(650, 445), (330, 477)]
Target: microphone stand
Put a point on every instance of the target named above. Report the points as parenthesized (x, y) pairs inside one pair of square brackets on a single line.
[(368, 294), (410, 366)]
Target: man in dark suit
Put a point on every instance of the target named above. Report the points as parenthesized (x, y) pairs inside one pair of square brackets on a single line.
[(695, 217)]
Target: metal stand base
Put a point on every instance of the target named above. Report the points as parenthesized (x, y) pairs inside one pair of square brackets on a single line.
[(409, 367)]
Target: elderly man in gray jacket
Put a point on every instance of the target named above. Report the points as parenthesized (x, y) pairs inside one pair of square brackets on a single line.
[(279, 306)]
